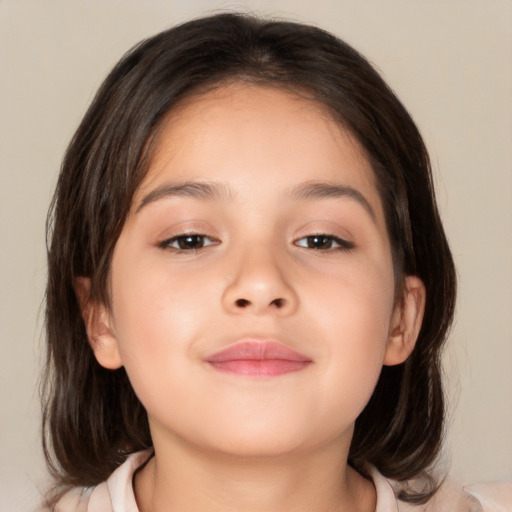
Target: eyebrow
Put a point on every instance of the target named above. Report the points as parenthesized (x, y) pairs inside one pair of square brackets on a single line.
[(322, 190), (197, 190), (217, 191)]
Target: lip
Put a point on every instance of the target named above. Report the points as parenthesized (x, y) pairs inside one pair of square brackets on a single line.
[(258, 359)]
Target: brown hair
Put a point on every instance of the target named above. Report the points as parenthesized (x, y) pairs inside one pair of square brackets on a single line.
[(91, 417)]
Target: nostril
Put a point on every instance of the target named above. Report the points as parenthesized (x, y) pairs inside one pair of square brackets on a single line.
[(278, 303)]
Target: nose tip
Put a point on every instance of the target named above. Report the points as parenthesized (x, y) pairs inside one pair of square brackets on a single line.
[(258, 285)]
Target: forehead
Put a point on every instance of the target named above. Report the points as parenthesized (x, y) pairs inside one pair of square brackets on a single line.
[(239, 132)]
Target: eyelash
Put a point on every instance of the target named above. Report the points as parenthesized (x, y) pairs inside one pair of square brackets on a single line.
[(319, 238)]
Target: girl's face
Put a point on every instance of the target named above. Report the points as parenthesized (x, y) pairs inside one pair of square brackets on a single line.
[(258, 228)]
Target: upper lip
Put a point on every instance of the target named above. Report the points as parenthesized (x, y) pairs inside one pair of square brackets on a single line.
[(255, 350)]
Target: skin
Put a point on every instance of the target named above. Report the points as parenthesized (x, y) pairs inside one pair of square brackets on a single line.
[(253, 443)]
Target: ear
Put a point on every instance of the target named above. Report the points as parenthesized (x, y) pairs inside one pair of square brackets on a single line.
[(98, 324), (406, 322)]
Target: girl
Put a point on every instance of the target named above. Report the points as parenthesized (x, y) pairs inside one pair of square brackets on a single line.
[(249, 284)]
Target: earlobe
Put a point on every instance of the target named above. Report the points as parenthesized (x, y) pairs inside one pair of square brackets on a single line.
[(406, 322), (98, 324)]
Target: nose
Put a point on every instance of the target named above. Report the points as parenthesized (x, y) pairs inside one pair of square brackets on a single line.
[(257, 285)]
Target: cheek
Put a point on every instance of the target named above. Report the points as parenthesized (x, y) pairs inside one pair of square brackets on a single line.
[(355, 302), (154, 316), (152, 303), (355, 318)]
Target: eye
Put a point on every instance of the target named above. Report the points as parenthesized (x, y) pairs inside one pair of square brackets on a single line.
[(323, 242), (188, 242)]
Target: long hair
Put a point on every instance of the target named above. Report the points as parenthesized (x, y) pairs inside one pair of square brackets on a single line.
[(91, 417)]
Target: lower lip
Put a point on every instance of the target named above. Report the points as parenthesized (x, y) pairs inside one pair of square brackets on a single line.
[(259, 368)]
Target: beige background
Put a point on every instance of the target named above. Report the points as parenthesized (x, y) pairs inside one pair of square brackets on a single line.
[(450, 62)]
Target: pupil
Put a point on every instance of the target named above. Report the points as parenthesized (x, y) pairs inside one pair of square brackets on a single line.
[(191, 242), (319, 242)]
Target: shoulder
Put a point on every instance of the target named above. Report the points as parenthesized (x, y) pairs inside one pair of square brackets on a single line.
[(490, 497), (494, 497), (74, 500), (116, 493), (451, 497)]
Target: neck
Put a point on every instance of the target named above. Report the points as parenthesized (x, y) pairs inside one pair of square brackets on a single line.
[(182, 478)]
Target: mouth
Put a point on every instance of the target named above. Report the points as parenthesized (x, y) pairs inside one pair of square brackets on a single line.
[(258, 359)]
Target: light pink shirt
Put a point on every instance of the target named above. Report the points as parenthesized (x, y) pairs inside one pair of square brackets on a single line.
[(116, 494)]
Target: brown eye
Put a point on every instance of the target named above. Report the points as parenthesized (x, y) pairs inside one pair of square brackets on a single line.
[(324, 243), (190, 242), (319, 242)]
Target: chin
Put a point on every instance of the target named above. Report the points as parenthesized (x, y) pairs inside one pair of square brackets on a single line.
[(271, 439), (259, 447)]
